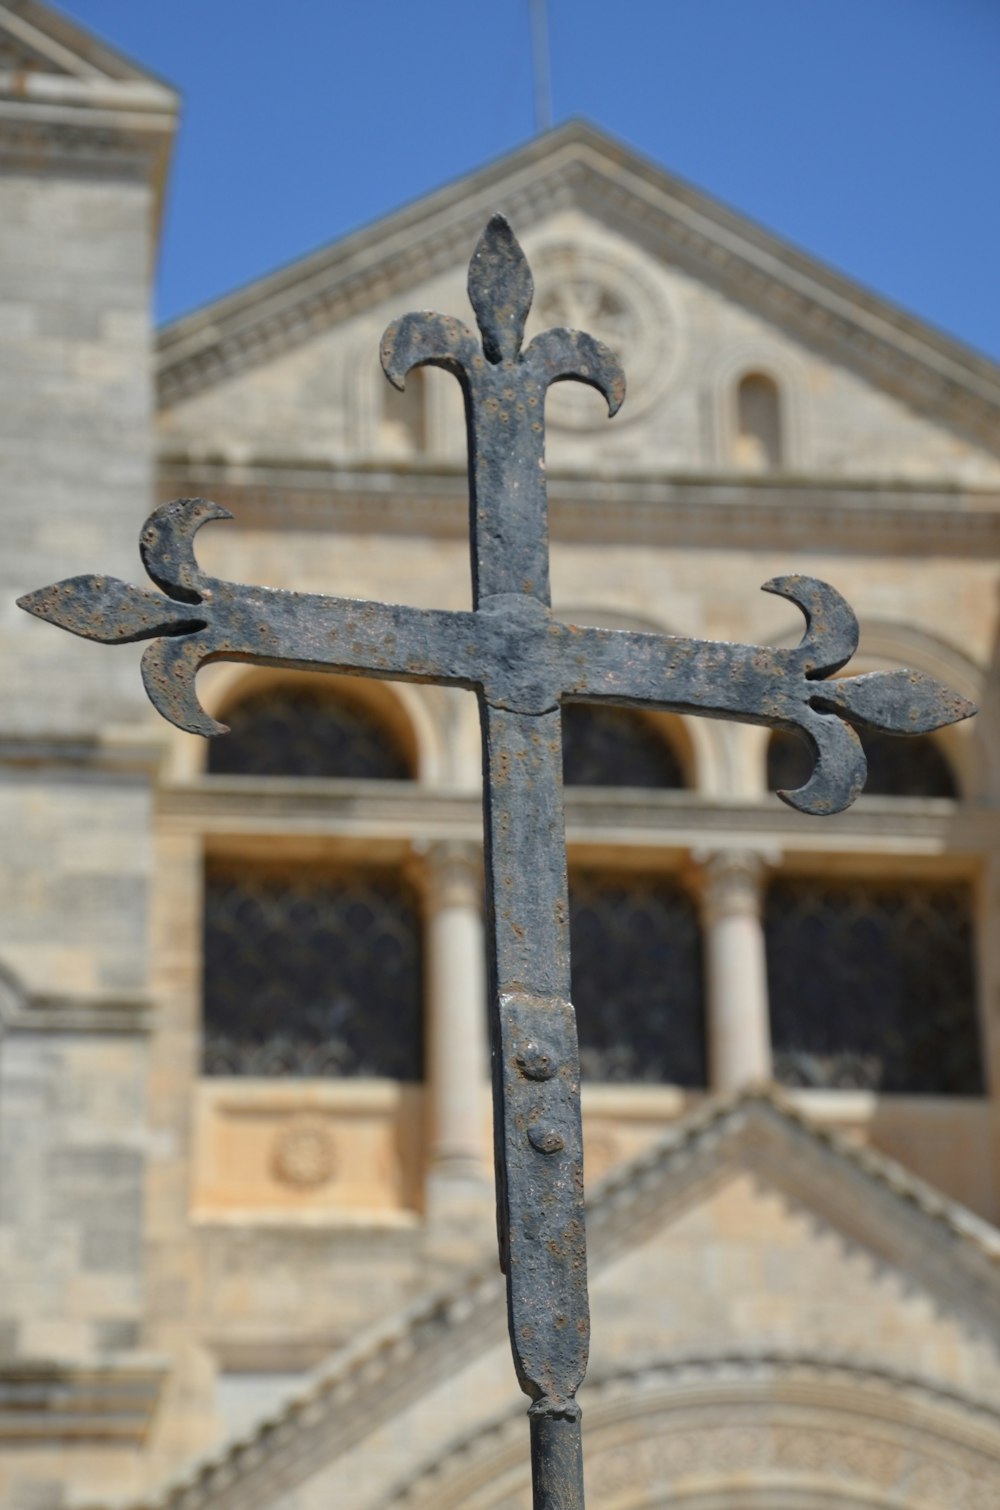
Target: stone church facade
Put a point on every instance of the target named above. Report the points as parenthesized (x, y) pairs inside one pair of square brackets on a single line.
[(245, 1217)]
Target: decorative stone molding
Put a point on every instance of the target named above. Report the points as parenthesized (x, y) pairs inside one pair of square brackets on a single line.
[(665, 820), (79, 1403), (613, 299), (304, 1153), (731, 881), (68, 100), (120, 750), (40, 1012), (579, 165), (453, 875), (698, 509), (762, 1431), (953, 1254)]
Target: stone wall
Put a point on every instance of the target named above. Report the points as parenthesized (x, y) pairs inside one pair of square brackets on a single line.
[(76, 774)]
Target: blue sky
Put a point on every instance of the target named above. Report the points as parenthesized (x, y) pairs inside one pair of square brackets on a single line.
[(865, 131)]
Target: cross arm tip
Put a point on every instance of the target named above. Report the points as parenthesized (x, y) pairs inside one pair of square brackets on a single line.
[(896, 702), (108, 611)]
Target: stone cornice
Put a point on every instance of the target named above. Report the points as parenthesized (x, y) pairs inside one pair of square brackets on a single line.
[(860, 1192), (119, 751), (107, 1012), (102, 1014), (576, 164), (79, 1403), (711, 509), (46, 40), (230, 809), (69, 101), (732, 1401), (868, 1196), (100, 142)]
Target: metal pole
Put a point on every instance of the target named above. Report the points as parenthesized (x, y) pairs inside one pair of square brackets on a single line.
[(556, 1460), (540, 65)]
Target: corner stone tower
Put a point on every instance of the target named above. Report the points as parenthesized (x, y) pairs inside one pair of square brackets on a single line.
[(84, 145)]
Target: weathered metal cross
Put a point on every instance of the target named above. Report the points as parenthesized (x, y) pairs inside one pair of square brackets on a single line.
[(523, 663)]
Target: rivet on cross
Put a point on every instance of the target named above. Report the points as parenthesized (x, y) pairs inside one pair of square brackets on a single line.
[(522, 663)]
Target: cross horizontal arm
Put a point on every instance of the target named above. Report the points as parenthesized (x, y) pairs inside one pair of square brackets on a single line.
[(783, 688), (205, 619)]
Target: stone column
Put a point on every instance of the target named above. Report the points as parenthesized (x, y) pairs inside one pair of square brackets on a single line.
[(456, 1029), (739, 1029)]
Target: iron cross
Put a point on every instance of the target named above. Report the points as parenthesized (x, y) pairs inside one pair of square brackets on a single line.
[(523, 663)]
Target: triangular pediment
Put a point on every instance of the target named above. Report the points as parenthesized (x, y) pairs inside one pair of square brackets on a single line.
[(36, 39), (745, 1244), (578, 176), (67, 95)]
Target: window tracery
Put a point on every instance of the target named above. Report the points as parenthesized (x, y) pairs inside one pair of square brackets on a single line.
[(309, 971), (637, 979), (306, 730), (915, 766), (872, 986), (616, 747)]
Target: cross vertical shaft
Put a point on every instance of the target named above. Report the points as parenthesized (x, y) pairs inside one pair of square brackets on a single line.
[(536, 1075)]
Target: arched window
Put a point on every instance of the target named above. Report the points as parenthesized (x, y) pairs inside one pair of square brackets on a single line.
[(635, 942), (872, 985), (616, 747), (309, 971), (637, 979), (911, 766), (757, 437), (307, 729)]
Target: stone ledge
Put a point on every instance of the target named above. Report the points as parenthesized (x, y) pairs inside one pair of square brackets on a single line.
[(116, 750), (111, 1400), (74, 1014), (233, 811), (430, 497)]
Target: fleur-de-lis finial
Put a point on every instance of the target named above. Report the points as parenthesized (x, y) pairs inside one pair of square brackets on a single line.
[(500, 290)]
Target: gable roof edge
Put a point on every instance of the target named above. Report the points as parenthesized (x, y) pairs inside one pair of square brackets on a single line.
[(71, 46), (360, 1382), (895, 349)]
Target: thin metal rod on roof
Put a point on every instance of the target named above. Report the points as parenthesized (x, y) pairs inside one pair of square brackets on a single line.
[(540, 63)]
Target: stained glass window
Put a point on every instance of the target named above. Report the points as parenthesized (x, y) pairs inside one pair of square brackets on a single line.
[(872, 985), (299, 730), (898, 766), (616, 747), (637, 980), (308, 972)]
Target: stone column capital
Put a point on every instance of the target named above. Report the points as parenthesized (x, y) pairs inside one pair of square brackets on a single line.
[(731, 880), (453, 873)]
